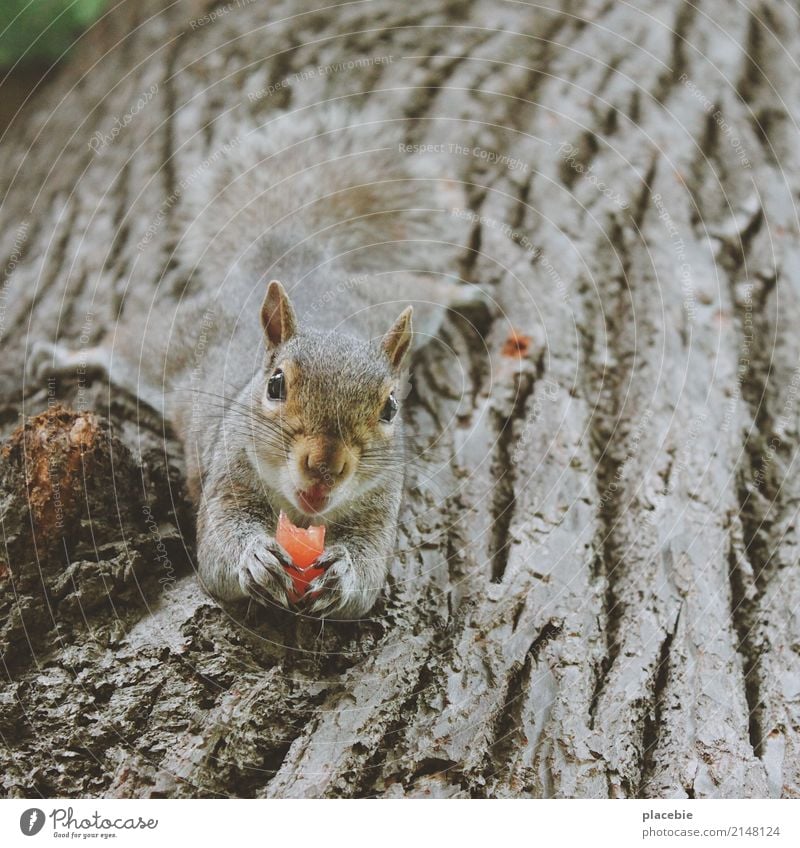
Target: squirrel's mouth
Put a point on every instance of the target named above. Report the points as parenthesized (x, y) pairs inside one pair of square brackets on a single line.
[(315, 498)]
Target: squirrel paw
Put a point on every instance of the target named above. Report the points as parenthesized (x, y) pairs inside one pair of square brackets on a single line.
[(263, 576), (339, 592)]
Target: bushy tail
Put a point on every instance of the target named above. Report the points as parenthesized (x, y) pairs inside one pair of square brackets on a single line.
[(318, 185)]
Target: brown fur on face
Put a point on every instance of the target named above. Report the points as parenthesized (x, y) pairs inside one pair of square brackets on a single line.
[(324, 460), (324, 432)]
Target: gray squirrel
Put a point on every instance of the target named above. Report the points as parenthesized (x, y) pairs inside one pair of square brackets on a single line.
[(287, 395)]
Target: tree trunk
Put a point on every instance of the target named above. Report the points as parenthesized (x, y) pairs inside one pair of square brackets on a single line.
[(596, 585)]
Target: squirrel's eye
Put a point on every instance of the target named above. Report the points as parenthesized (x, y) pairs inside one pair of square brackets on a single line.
[(389, 409), (276, 386)]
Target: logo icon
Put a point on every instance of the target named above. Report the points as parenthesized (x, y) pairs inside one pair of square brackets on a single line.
[(31, 821)]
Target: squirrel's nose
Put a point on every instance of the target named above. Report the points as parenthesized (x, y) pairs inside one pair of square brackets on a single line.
[(324, 461)]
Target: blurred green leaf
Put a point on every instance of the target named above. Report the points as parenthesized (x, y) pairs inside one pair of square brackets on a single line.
[(42, 29)]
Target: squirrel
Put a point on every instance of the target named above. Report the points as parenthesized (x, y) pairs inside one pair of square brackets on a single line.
[(288, 395)]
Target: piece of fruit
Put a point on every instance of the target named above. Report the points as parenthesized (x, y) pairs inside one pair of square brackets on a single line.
[(304, 546), (301, 577)]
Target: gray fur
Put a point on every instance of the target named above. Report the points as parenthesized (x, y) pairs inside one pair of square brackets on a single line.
[(350, 235)]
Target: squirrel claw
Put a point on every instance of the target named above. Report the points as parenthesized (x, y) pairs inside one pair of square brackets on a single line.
[(277, 550), (263, 595), (264, 577), (334, 591), (330, 556)]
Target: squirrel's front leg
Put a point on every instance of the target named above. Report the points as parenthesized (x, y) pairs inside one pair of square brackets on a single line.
[(354, 574), (357, 560), (238, 559)]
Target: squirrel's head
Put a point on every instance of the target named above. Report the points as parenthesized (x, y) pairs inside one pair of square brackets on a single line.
[(329, 404)]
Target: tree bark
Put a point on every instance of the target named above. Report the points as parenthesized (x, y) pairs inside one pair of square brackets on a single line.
[(596, 586)]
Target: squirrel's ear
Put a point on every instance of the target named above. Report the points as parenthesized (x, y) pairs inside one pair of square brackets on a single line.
[(277, 315), (397, 342)]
